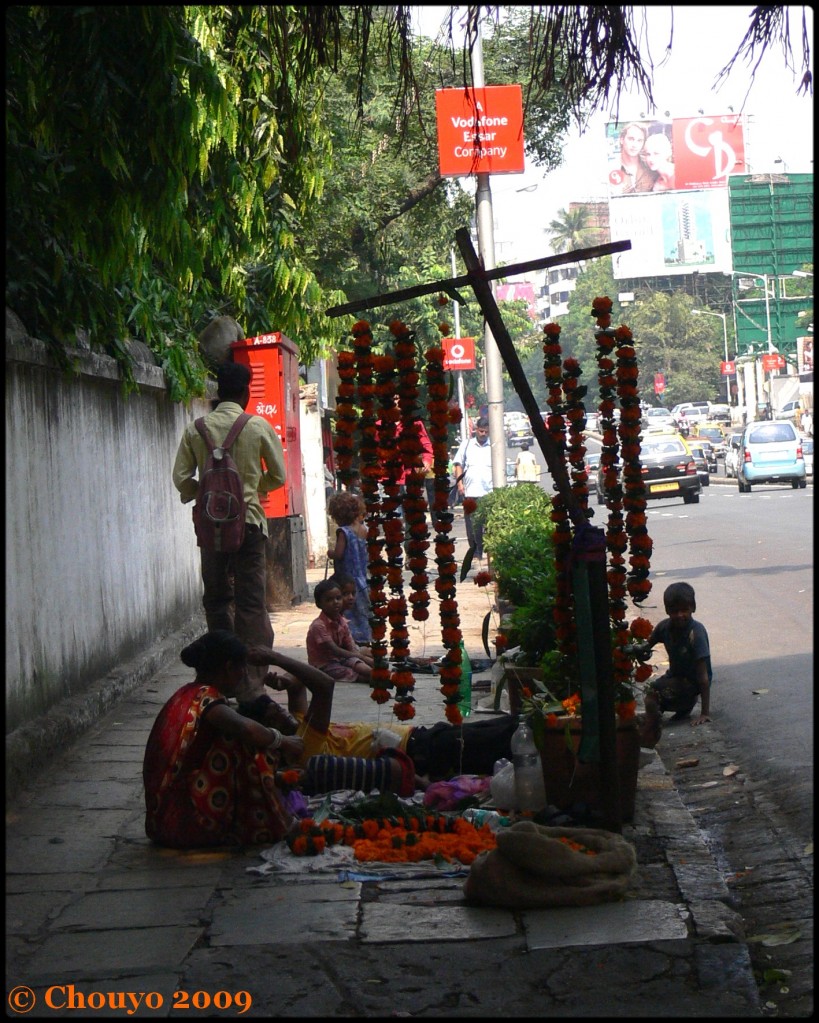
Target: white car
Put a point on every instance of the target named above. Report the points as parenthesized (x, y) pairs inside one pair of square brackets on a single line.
[(694, 411), (731, 455), (788, 410), (807, 454), (658, 417)]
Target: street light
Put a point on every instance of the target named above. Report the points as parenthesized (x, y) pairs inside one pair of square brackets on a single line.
[(707, 312), (801, 273), (761, 277)]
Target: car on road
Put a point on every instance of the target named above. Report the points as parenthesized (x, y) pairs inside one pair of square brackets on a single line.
[(658, 417), (669, 470), (517, 428), (789, 410), (701, 462), (593, 466), (713, 433), (731, 454), (770, 452), (807, 454), (720, 414)]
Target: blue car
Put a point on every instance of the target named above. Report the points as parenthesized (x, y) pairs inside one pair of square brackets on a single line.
[(770, 452)]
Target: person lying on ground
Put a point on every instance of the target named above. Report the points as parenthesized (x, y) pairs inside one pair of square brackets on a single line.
[(330, 645), (439, 752), (204, 762)]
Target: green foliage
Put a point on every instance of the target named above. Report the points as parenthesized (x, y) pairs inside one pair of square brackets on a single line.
[(157, 161), (518, 538), (686, 349), (570, 230), (387, 218)]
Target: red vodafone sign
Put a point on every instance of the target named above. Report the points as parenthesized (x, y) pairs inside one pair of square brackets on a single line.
[(480, 131), (659, 383), (727, 368), (772, 362), (459, 352)]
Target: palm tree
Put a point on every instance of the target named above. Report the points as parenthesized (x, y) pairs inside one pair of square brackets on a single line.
[(570, 229)]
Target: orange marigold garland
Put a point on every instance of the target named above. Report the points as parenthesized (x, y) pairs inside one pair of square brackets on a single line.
[(442, 518), (634, 496), (413, 521), (625, 490), (370, 476), (346, 417), (563, 612), (394, 841)]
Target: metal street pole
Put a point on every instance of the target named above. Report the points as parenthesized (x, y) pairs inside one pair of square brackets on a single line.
[(764, 278), (461, 396), (722, 316), (486, 249)]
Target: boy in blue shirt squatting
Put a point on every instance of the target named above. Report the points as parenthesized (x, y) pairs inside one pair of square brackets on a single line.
[(688, 677)]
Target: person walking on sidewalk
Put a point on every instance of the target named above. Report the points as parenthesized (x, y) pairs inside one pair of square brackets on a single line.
[(208, 771), (234, 595), (473, 473), (526, 468)]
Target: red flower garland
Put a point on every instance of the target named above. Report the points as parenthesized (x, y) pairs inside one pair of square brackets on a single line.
[(402, 457), (370, 475), (563, 613), (442, 517), (624, 490)]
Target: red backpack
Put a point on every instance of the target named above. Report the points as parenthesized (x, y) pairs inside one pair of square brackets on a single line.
[(219, 511)]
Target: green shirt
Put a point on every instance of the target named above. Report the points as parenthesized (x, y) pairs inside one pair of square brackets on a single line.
[(257, 452)]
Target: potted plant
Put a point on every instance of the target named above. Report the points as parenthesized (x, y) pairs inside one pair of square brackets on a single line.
[(518, 540)]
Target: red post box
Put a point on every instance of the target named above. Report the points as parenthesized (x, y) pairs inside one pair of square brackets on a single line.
[(274, 394)]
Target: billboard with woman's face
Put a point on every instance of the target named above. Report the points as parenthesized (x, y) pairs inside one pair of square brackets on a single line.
[(688, 161)]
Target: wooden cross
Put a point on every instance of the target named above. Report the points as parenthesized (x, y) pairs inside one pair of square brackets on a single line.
[(599, 741), (479, 280)]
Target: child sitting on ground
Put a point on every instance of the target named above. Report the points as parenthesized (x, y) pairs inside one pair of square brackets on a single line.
[(349, 592), (349, 557), (330, 646), (688, 677)]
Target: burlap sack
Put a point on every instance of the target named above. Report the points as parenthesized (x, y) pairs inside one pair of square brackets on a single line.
[(536, 848), (531, 869)]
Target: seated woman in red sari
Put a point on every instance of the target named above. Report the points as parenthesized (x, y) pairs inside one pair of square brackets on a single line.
[(209, 772)]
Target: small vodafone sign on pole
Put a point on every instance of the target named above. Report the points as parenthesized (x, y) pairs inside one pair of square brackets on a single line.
[(480, 130), (459, 352)]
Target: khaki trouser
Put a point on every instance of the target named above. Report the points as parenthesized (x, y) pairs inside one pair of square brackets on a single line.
[(234, 599)]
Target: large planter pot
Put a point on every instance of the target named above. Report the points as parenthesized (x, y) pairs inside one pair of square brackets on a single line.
[(568, 781)]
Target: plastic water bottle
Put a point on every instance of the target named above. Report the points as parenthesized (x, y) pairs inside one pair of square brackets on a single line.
[(530, 791), (465, 702)]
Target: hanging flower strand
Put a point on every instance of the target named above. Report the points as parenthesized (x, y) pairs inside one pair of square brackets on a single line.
[(563, 611), (445, 584), (370, 475), (346, 417), (401, 676), (618, 381)]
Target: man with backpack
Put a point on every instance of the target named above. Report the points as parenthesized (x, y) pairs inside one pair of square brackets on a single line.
[(225, 477)]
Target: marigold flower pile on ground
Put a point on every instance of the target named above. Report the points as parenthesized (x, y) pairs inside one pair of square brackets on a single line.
[(392, 841)]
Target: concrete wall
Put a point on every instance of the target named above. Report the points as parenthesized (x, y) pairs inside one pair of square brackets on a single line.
[(315, 503), (101, 559)]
